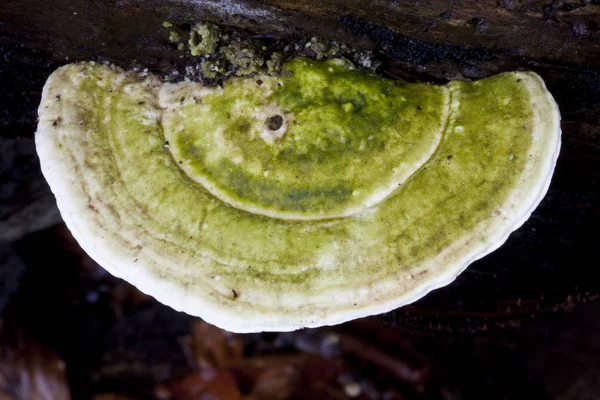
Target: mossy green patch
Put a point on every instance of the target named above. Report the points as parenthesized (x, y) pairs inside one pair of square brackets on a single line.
[(340, 128), (204, 39), (174, 37)]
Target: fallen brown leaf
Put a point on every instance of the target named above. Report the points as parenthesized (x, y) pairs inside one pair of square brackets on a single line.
[(211, 347), (201, 386), (28, 371), (276, 383)]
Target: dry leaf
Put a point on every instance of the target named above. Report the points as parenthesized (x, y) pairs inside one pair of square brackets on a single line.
[(27, 371), (213, 347), (276, 383)]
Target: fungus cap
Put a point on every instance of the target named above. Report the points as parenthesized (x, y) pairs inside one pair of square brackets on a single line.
[(308, 199)]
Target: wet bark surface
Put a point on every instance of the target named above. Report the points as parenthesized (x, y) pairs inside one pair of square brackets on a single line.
[(509, 306)]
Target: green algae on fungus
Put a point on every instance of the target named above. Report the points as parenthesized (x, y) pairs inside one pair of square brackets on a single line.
[(226, 52), (174, 37), (322, 48), (212, 69), (246, 58), (317, 196), (204, 39), (274, 63), (324, 158), (224, 56)]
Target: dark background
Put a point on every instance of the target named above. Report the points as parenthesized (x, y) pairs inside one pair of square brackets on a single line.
[(521, 323)]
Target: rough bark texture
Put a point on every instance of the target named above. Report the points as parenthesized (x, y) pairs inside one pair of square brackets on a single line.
[(420, 32), (544, 266)]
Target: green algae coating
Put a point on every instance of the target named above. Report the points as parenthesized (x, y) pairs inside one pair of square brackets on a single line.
[(274, 63), (245, 57), (174, 37), (322, 48), (141, 188), (348, 138), (204, 39)]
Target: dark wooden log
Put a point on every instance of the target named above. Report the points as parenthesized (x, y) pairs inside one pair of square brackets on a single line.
[(545, 266), (420, 32)]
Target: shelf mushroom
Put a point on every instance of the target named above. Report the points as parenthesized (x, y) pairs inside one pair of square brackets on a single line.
[(306, 199)]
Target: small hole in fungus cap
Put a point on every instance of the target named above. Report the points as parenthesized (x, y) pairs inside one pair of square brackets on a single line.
[(275, 122)]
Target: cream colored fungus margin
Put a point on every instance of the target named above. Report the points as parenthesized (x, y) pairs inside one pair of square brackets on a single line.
[(126, 251)]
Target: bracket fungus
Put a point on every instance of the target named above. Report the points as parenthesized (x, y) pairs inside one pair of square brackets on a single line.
[(311, 198)]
